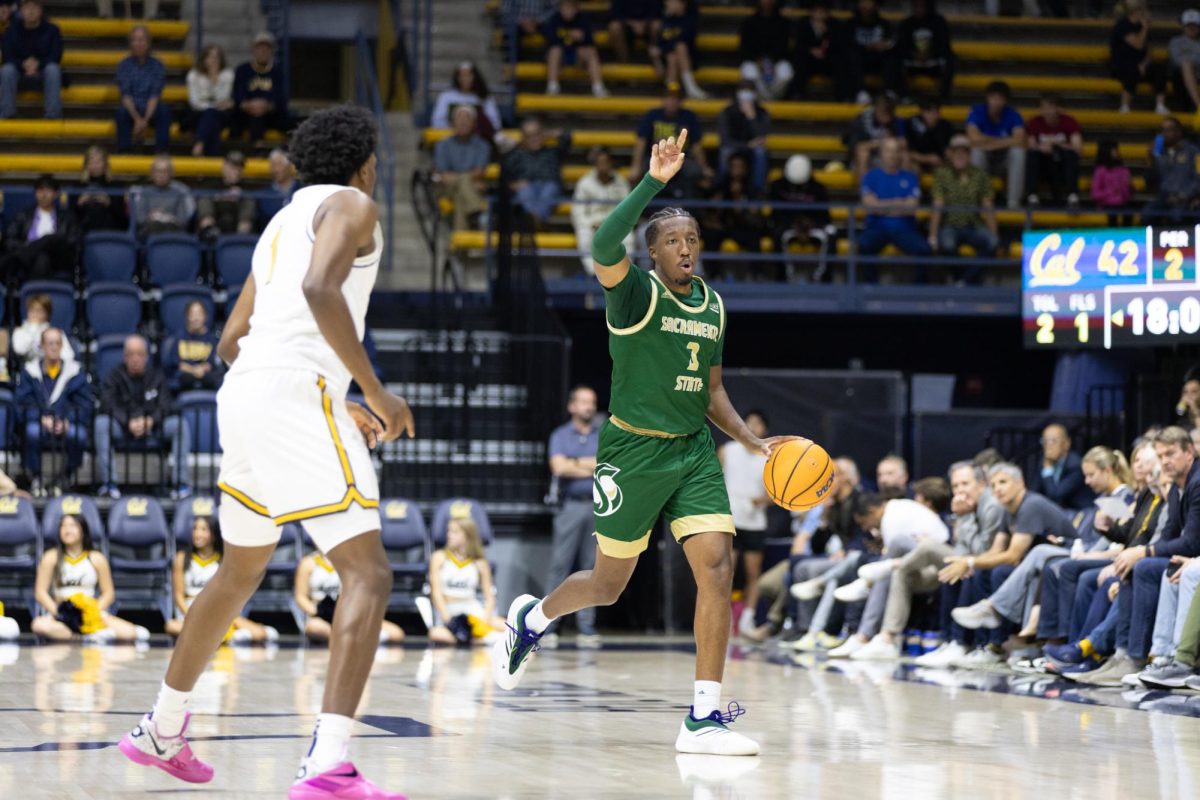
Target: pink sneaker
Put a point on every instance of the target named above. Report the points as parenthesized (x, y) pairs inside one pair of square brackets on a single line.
[(172, 754), (342, 782)]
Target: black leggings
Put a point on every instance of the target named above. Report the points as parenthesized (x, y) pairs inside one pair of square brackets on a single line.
[(1129, 76)]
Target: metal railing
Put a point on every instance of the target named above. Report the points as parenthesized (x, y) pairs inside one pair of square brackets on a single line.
[(367, 94)]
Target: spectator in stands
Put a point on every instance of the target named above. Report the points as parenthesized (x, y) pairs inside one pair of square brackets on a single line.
[(41, 243), (971, 219), (1130, 57), (210, 100), (231, 210), (1112, 184), (1187, 410), (532, 170), (54, 401), (284, 182), (104, 8), (743, 127), (468, 88), (460, 165), (638, 17), (923, 48), (928, 135), (741, 226), (258, 93), (1055, 143), (568, 34), (1184, 52), (872, 50), (99, 207), (525, 15), (674, 54), (27, 337), (1173, 175), (1061, 476), (820, 50), (190, 358), (891, 196), (165, 205), (596, 194), (665, 122), (316, 587), (140, 79), (802, 228), (869, 130), (891, 476), (997, 134), (748, 502), (763, 50), (135, 404), (32, 61), (8, 10)]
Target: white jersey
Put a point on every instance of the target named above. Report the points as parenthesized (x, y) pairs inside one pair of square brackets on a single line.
[(906, 523), (283, 331), (744, 482), (323, 581), (76, 576), (459, 582), (198, 573)]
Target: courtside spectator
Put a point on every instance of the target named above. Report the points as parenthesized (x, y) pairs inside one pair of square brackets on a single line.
[(210, 100), (820, 50), (135, 405), (971, 218), (662, 123), (467, 88), (891, 196), (997, 134), (258, 93), (33, 51), (928, 135), (1055, 144), (54, 402), (41, 243), (923, 48), (27, 337), (807, 227), (596, 195), (1187, 410), (748, 502), (1184, 51), (532, 170), (283, 175), (99, 207), (231, 210), (763, 50), (1130, 57), (568, 34), (891, 475), (869, 130), (460, 163), (674, 54), (1173, 175), (1061, 476), (190, 358), (872, 50), (140, 79), (164, 205), (637, 17), (1112, 184), (743, 126)]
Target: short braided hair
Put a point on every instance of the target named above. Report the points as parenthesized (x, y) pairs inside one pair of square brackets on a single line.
[(333, 144), (659, 216)]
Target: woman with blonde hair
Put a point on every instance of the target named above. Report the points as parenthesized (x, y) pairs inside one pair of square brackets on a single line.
[(461, 608)]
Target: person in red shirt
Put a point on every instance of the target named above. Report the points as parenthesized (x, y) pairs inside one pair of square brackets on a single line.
[(1055, 142)]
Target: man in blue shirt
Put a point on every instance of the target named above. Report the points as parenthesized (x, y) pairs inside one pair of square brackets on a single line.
[(997, 134), (460, 163), (32, 54), (572, 461), (662, 123), (891, 196), (1061, 478), (140, 78)]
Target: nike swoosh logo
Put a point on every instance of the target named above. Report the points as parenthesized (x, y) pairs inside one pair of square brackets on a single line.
[(351, 774), (140, 731)]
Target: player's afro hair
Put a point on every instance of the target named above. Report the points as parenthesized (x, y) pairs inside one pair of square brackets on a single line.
[(331, 145)]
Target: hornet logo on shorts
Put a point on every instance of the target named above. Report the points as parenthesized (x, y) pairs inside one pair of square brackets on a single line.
[(606, 495)]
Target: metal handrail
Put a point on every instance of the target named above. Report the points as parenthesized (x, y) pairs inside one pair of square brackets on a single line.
[(367, 95)]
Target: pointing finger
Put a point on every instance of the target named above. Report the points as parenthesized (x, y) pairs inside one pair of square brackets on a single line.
[(682, 138)]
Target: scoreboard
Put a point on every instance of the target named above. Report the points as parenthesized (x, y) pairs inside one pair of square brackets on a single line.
[(1110, 287)]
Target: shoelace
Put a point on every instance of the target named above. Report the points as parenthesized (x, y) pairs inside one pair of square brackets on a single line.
[(734, 710), (527, 639)]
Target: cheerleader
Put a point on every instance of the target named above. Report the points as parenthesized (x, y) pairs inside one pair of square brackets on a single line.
[(460, 582), (317, 587)]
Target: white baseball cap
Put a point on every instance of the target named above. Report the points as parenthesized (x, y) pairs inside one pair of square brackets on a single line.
[(1190, 17)]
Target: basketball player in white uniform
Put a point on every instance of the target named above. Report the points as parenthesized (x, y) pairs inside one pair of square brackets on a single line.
[(295, 450)]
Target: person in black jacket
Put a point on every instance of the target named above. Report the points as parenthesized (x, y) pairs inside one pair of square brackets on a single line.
[(260, 103), (1061, 476), (135, 404), (820, 50), (100, 206), (743, 126), (763, 50), (32, 56), (872, 50), (41, 243), (54, 401), (923, 48)]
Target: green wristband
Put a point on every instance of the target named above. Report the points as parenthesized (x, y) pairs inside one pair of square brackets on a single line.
[(608, 244)]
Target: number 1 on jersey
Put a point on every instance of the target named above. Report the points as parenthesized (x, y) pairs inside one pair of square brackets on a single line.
[(694, 361)]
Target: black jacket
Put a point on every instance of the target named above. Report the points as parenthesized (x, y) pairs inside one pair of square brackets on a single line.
[(924, 41), (763, 37), (1182, 534), (123, 396), (1139, 529), (17, 235)]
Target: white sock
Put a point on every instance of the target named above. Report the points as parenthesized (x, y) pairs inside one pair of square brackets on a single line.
[(536, 620), (706, 698), (331, 741), (169, 710)]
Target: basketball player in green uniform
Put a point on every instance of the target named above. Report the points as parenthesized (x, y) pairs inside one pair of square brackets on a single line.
[(656, 455)]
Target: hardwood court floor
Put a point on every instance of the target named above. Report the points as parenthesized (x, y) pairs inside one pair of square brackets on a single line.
[(595, 724)]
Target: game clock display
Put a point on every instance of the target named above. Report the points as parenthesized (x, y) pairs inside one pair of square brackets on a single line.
[(1110, 287)]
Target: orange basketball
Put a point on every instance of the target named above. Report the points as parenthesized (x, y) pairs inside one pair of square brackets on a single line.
[(798, 475)]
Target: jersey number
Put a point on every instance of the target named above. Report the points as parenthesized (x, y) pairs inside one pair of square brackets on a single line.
[(694, 361)]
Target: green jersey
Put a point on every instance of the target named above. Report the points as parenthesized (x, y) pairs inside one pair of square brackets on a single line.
[(662, 346)]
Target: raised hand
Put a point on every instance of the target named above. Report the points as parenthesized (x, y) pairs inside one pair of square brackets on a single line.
[(666, 157)]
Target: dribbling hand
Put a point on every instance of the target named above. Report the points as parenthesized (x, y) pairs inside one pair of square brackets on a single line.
[(394, 412), (666, 157), (769, 445)]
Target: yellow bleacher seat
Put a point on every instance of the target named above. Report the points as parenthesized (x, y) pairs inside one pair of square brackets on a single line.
[(77, 129), (111, 28), (1007, 218), (123, 166), (474, 240), (104, 93), (110, 58)]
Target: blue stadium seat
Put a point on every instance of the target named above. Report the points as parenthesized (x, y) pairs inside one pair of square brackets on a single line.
[(140, 548), (113, 308), (13, 200), (186, 512), (109, 256), (20, 552), (62, 297), (406, 542), (110, 352), (172, 309), (455, 508), (234, 254), (7, 417), (172, 258), (199, 409), (77, 505)]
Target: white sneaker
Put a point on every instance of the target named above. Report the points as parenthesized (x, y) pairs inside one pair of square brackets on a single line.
[(552, 88), (241, 637), (102, 636), (877, 650), (511, 655), (272, 634), (848, 648), (808, 590), (599, 90), (853, 592), (980, 657), (1133, 679), (746, 621), (711, 736), (976, 616), (876, 570), (944, 656), (863, 98), (806, 643)]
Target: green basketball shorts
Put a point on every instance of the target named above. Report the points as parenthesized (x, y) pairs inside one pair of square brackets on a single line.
[(638, 477)]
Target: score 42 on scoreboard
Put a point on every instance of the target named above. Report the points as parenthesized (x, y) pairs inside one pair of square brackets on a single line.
[(1110, 287)]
